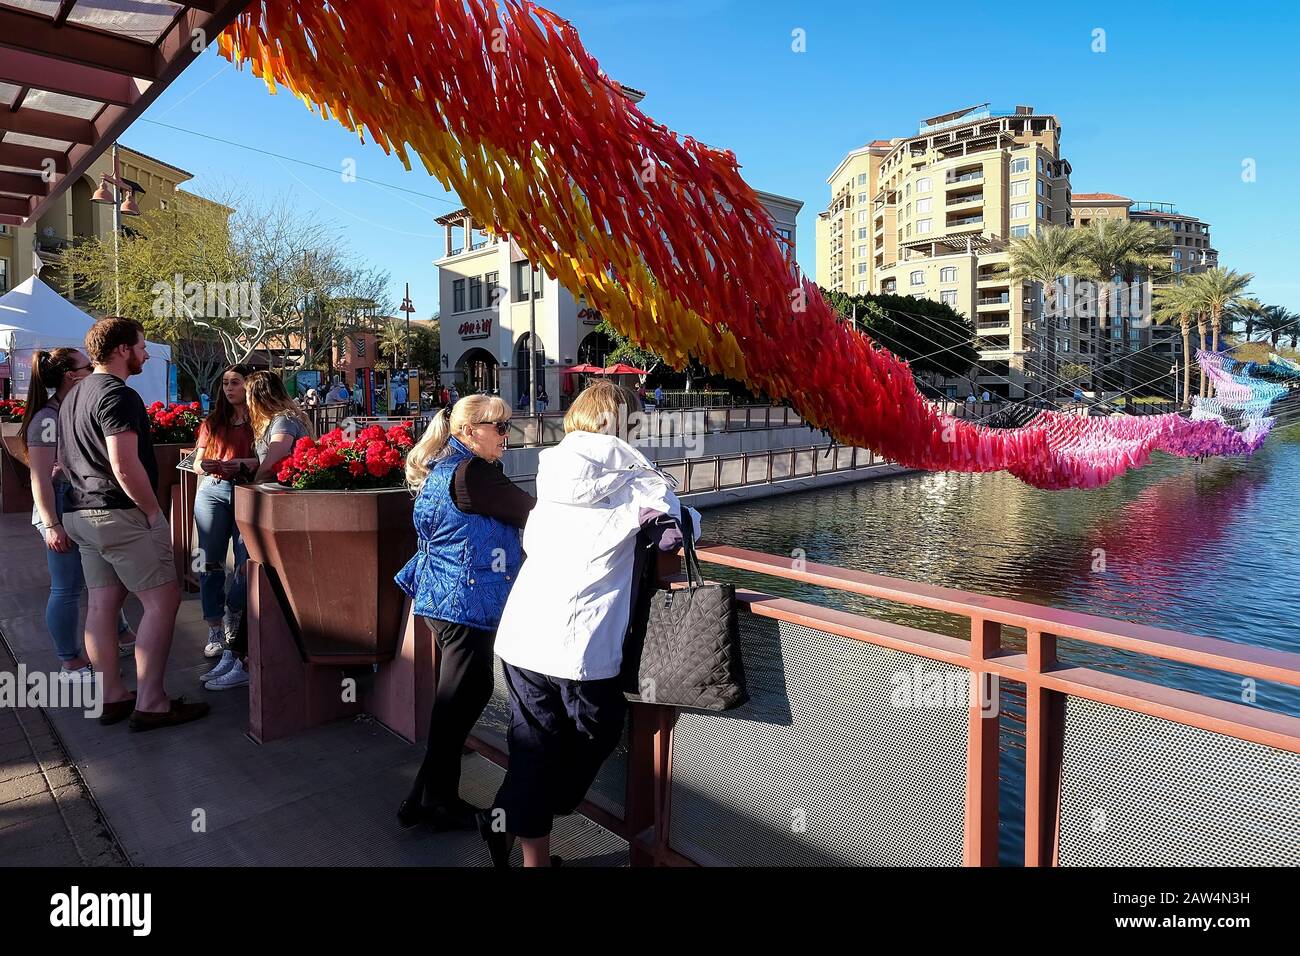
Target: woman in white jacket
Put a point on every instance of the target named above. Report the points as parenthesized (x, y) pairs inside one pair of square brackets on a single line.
[(561, 634)]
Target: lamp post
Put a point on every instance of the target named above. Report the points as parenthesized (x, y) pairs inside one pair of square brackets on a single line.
[(122, 206), (408, 307)]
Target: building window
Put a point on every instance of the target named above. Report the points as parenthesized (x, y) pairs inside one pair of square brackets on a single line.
[(1020, 210), (949, 298), (909, 229), (524, 281), (1041, 186), (948, 274), (475, 294), (907, 190), (918, 278), (1040, 164), (862, 268), (862, 250), (923, 226), (493, 282), (4, 275), (1040, 211), (1020, 187), (923, 205), (864, 287), (1020, 165), (862, 179), (1063, 345), (458, 295), (862, 216), (862, 233), (1019, 232), (923, 184)]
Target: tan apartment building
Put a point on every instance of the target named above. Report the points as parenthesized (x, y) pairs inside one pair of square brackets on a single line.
[(932, 215), (73, 215), (1191, 252)]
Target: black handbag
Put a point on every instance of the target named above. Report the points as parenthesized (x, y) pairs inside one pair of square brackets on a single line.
[(689, 643)]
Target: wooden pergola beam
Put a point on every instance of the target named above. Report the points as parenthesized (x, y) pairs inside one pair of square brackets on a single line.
[(69, 43)]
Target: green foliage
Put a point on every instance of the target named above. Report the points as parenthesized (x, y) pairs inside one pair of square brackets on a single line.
[(933, 337)]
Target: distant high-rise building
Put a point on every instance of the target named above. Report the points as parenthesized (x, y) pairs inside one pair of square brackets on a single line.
[(931, 216)]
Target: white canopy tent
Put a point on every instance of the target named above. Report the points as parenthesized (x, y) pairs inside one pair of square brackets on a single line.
[(33, 316)]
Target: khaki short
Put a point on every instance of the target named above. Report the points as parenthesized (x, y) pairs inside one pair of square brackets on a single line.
[(119, 545)]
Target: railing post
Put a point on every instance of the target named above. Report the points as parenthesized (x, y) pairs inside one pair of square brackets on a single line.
[(717, 473), (1044, 729), (981, 839)]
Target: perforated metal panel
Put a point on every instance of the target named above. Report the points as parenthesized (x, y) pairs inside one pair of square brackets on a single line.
[(820, 768), (1142, 791), (610, 787)]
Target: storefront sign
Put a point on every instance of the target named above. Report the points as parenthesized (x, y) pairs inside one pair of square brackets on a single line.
[(589, 316), (475, 329)]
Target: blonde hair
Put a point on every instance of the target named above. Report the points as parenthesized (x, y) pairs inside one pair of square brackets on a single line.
[(470, 410), (266, 398), (596, 409)]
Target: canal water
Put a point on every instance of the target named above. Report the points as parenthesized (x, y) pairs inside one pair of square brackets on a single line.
[(1209, 548)]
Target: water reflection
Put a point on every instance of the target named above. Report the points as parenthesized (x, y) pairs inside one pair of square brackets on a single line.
[(1205, 548)]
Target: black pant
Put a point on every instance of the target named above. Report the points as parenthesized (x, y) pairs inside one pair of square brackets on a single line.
[(561, 732), (465, 677)]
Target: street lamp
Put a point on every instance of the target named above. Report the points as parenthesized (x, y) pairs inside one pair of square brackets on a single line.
[(122, 206), (408, 307)]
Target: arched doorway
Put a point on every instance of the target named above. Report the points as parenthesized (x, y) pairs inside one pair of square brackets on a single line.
[(522, 382), (478, 371), (594, 349)]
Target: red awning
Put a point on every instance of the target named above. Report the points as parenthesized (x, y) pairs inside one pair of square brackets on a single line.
[(622, 369)]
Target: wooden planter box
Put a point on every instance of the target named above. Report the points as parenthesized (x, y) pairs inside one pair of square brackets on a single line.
[(168, 456), (15, 479), (332, 556)]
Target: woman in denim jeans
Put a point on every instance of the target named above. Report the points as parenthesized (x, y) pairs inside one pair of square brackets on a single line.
[(58, 371), (224, 451)]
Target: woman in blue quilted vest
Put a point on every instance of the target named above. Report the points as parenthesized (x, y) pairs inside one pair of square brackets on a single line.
[(468, 516)]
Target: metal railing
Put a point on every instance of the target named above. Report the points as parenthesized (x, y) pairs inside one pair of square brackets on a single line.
[(748, 469), (1206, 784)]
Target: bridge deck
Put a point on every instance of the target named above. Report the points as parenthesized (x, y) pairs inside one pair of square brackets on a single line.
[(325, 797)]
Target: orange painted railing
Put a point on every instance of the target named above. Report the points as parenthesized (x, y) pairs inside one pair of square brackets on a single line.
[(647, 812)]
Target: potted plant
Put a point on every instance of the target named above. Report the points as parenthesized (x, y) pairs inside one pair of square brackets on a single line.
[(172, 428), (331, 534)]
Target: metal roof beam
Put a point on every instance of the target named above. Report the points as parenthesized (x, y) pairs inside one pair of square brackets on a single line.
[(49, 125), (22, 68)]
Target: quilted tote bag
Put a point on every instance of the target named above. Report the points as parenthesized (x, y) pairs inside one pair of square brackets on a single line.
[(690, 655)]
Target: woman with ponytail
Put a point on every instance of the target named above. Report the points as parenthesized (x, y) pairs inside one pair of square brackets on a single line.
[(54, 374), (468, 515)]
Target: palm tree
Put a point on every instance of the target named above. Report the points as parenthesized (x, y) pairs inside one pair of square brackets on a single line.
[(1277, 321), (1248, 313), (1219, 291), (1123, 249), (1177, 303), (392, 338), (1045, 258)]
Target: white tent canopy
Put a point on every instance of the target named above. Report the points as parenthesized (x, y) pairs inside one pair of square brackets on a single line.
[(33, 316)]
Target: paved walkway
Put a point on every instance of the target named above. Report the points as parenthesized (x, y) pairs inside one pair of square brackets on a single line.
[(205, 793)]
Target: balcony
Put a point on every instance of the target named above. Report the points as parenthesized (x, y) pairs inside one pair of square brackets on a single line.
[(971, 177), (962, 200), (968, 222), (1003, 299)]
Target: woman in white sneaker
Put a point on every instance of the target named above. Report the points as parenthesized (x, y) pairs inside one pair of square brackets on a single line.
[(54, 374), (277, 423), (223, 451)]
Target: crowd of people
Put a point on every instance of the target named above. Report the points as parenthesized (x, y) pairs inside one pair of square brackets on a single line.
[(549, 583)]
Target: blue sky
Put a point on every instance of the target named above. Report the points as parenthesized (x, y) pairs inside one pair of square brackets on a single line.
[(1183, 94)]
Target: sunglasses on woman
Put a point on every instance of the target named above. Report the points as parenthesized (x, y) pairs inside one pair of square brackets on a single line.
[(501, 427)]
